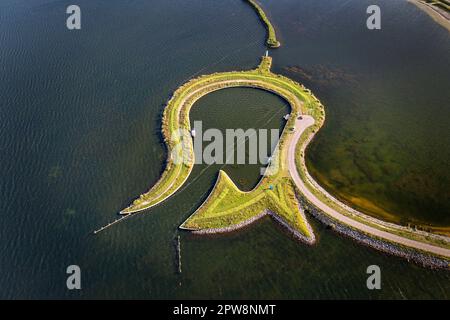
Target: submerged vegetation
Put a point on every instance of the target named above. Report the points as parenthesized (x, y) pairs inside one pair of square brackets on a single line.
[(272, 41)]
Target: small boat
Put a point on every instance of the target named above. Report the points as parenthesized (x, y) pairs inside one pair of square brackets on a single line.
[(286, 117), (193, 132)]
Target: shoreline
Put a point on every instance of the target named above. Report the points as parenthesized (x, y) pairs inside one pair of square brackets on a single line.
[(411, 255), (297, 235), (438, 15)]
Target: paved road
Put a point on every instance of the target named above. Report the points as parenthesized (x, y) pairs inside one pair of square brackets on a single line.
[(300, 127)]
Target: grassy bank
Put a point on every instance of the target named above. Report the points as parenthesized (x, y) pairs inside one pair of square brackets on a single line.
[(272, 41), (227, 206)]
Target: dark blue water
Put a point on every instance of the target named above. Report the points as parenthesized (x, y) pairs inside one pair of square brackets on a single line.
[(79, 124)]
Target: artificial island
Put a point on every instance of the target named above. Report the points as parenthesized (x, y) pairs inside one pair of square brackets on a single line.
[(286, 191)]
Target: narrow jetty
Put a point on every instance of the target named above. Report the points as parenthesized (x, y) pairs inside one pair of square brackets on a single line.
[(178, 251), (111, 224)]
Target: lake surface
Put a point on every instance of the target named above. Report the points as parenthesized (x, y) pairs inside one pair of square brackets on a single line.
[(80, 115)]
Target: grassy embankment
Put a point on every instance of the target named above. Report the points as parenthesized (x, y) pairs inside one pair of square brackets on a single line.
[(272, 41), (227, 206), (239, 206)]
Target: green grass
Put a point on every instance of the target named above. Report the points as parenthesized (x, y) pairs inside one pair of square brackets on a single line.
[(272, 41), (228, 206)]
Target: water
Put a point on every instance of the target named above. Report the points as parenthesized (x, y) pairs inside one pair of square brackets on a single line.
[(80, 117)]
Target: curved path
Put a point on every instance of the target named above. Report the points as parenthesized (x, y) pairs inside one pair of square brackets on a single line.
[(301, 125)]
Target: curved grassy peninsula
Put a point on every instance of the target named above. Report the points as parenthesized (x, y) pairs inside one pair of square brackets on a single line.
[(227, 208), (272, 41), (274, 195)]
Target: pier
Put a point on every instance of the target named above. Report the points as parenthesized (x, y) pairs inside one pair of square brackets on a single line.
[(111, 224), (178, 248)]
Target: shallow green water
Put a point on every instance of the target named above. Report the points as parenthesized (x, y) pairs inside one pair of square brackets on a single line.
[(385, 147), (80, 118)]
